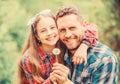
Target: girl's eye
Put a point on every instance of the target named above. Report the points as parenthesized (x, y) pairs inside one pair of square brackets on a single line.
[(53, 27), (42, 31)]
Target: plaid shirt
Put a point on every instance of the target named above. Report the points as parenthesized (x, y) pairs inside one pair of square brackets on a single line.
[(46, 62), (101, 67), (90, 35)]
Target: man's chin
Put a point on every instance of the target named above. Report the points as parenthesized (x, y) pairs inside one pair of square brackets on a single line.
[(73, 49)]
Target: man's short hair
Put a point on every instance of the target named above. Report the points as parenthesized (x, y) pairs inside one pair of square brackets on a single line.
[(67, 10)]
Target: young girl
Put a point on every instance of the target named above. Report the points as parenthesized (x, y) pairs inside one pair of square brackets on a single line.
[(37, 58)]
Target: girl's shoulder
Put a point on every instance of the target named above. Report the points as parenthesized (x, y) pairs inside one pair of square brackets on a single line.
[(26, 64), (25, 57)]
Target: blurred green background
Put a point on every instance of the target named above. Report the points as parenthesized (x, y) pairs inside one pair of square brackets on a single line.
[(14, 15)]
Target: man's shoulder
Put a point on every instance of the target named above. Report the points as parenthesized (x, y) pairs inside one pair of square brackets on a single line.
[(100, 49), (102, 52)]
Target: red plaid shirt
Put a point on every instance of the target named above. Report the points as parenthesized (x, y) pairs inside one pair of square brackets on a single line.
[(46, 61), (90, 35)]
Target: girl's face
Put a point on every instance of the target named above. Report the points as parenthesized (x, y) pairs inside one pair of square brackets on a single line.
[(47, 31)]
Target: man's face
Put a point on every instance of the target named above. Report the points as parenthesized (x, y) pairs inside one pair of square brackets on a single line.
[(70, 31)]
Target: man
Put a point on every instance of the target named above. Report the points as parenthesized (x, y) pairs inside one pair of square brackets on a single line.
[(102, 65)]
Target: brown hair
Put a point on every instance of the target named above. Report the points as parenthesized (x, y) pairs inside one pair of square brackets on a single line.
[(67, 10), (31, 45)]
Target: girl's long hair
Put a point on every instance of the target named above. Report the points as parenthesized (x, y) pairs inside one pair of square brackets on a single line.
[(31, 45)]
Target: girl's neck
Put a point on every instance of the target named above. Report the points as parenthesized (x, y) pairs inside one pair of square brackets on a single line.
[(48, 49)]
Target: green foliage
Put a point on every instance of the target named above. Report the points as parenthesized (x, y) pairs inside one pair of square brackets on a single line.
[(13, 29)]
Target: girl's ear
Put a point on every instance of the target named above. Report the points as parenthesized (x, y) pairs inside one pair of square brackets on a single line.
[(36, 36), (38, 39)]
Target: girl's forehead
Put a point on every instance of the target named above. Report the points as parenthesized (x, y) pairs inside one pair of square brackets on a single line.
[(46, 22)]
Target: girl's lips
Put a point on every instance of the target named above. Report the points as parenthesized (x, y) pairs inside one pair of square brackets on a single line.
[(51, 38)]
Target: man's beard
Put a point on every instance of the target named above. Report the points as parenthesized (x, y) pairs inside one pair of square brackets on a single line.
[(74, 49)]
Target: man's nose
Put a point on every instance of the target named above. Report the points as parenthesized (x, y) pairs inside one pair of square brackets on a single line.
[(67, 34)]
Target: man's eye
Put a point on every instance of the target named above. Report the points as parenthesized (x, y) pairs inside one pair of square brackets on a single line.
[(62, 30), (72, 28)]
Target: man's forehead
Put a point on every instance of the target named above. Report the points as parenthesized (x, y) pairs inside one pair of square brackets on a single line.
[(68, 20)]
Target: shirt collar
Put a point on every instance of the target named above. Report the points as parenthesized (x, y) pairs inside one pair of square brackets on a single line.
[(43, 55), (67, 57)]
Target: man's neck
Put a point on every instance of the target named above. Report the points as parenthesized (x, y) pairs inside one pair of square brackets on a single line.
[(72, 51)]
